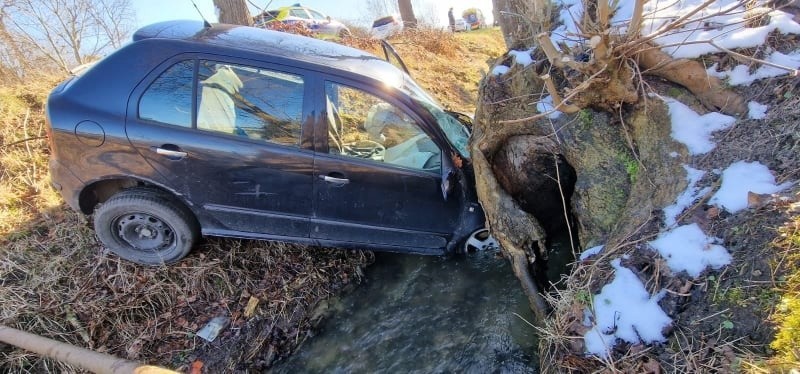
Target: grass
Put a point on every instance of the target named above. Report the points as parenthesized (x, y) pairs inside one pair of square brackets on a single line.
[(787, 317)]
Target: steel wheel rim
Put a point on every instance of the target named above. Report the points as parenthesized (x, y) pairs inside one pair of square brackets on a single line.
[(144, 232), (481, 240)]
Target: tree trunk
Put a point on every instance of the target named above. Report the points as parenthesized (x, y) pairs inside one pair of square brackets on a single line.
[(407, 13), (521, 20), (233, 12), (609, 136)]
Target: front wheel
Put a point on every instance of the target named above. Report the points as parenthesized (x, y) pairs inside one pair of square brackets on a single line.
[(146, 227), (480, 240)]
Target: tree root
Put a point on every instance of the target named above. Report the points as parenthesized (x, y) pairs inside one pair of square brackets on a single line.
[(692, 75), (514, 228)]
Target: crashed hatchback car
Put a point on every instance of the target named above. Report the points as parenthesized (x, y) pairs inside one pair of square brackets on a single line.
[(235, 131)]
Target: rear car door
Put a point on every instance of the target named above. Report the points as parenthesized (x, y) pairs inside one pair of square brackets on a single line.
[(228, 136), (378, 175)]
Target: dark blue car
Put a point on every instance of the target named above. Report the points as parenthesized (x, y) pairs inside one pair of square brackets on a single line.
[(234, 131)]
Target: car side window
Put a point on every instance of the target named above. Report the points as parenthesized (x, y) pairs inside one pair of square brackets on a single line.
[(316, 15), (299, 13), (362, 125), (250, 102), (169, 98)]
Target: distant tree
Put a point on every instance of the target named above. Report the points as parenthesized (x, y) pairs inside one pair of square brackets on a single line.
[(407, 13), (65, 33), (234, 12)]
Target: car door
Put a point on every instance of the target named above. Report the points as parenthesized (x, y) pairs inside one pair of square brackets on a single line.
[(378, 175), (228, 136)]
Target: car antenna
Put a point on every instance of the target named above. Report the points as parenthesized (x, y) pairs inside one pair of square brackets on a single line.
[(205, 21)]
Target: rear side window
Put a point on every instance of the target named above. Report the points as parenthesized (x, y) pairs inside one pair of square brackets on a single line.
[(250, 102), (169, 98)]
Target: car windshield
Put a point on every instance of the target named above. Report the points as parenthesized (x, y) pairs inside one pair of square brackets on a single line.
[(456, 132)]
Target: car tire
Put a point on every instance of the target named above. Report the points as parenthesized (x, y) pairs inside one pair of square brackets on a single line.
[(146, 227), (344, 33), (480, 240)]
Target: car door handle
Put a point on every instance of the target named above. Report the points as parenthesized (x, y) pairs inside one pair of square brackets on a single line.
[(171, 153), (334, 180)]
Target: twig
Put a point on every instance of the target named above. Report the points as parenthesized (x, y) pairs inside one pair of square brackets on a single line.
[(21, 141)]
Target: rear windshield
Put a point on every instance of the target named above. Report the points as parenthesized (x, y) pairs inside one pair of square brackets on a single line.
[(383, 21)]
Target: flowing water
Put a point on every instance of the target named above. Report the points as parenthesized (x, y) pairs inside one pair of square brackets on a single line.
[(426, 314)]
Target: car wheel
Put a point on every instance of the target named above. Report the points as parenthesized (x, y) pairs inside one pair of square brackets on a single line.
[(344, 33), (146, 227), (480, 240)]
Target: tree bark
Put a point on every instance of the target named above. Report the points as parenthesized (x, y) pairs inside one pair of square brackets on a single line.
[(520, 21), (407, 13), (233, 12)]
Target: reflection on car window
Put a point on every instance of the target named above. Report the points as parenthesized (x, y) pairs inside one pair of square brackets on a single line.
[(169, 98), (299, 13), (364, 126), (250, 102)]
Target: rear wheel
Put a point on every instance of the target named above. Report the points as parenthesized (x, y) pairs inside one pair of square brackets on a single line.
[(146, 227), (480, 240)]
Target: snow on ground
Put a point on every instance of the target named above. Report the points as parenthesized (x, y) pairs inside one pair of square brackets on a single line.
[(500, 70), (625, 310), (688, 196), (591, 252), (695, 130), (757, 110), (687, 248), (739, 179), (522, 57), (546, 105), (740, 75), (726, 31)]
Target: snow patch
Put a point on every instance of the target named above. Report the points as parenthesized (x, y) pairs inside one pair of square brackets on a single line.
[(695, 130), (740, 75), (500, 70), (757, 110), (688, 196), (739, 179), (546, 105), (624, 310), (591, 252), (522, 57), (687, 248), (727, 30)]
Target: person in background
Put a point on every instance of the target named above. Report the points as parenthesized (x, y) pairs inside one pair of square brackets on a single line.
[(452, 19)]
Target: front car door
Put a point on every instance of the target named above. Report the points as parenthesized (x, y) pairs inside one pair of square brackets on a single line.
[(378, 175), (228, 136)]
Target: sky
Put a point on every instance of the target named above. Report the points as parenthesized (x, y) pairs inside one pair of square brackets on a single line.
[(351, 11)]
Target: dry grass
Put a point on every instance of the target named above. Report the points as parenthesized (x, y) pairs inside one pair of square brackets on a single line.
[(57, 281)]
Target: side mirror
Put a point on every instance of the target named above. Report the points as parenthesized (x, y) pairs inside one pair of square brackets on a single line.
[(328, 18)]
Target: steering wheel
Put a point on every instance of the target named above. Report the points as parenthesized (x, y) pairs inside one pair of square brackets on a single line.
[(365, 149)]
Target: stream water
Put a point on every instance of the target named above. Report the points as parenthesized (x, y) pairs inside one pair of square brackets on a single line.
[(426, 314)]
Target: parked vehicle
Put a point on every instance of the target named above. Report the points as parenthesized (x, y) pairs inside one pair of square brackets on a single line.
[(315, 21), (242, 132), (385, 27), (471, 19)]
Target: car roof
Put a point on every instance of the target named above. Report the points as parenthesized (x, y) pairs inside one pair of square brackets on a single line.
[(325, 55)]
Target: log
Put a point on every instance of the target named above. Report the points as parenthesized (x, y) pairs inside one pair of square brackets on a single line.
[(95, 362)]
